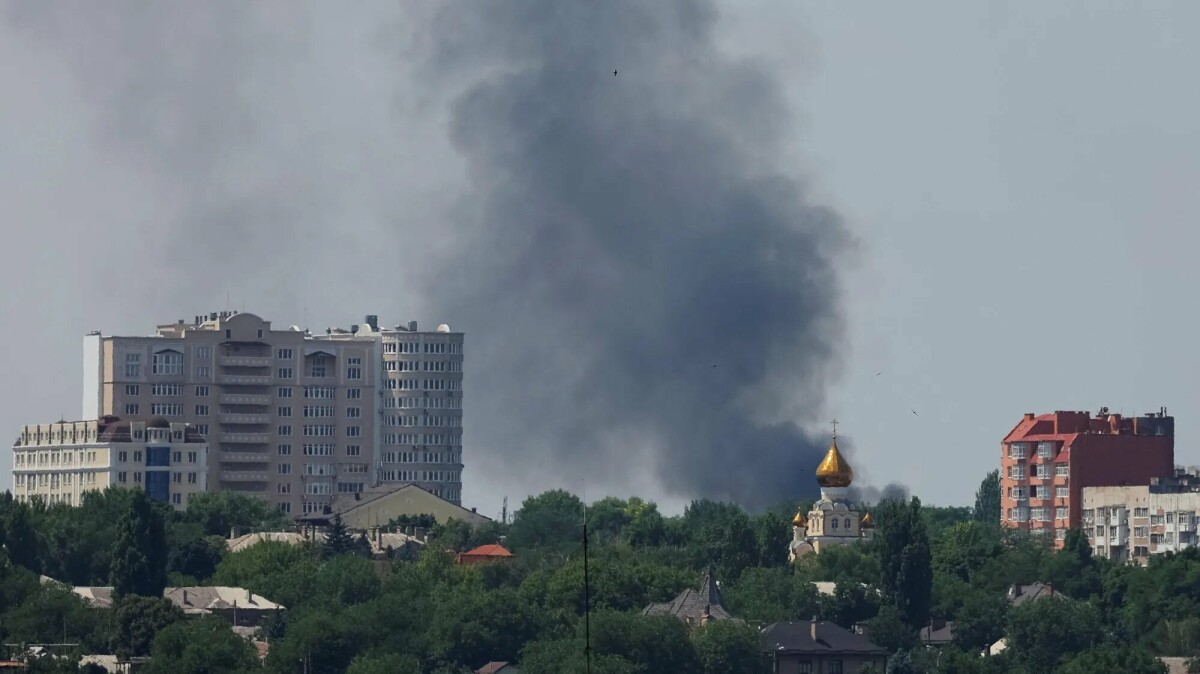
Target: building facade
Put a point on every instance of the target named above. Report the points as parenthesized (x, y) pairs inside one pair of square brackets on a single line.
[(1134, 522), (59, 462), (1046, 461), (833, 520), (292, 417)]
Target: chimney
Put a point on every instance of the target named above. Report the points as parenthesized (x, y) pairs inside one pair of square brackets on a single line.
[(185, 597), (354, 328), (412, 326), (1029, 416), (373, 321), (812, 627), (249, 597)]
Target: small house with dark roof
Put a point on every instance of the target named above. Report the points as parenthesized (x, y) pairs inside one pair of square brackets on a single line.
[(820, 647), (694, 607)]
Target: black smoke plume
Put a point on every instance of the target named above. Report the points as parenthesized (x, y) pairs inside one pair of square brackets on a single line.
[(643, 288)]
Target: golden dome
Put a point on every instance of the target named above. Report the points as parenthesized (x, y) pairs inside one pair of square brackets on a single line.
[(834, 471), (799, 521), (868, 522)]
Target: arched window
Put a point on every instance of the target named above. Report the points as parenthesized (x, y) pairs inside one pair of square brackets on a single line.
[(847, 522), (833, 523)]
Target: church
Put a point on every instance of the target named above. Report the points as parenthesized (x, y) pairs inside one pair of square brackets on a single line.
[(833, 520)]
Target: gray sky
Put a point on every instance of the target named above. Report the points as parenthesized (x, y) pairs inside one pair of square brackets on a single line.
[(1017, 179)]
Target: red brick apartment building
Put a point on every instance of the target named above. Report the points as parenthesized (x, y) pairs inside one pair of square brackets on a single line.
[(1047, 460)]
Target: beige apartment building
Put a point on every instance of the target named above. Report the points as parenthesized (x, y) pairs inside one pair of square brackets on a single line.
[(1131, 523), (59, 462), (292, 417)]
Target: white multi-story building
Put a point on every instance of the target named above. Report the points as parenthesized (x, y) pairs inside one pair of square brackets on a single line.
[(59, 462), (293, 417), (1130, 523)]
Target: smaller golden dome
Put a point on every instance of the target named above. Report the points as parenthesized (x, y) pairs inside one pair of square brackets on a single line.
[(834, 471), (799, 521), (868, 522)]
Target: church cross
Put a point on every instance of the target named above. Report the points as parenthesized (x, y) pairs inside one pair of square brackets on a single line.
[(835, 423)]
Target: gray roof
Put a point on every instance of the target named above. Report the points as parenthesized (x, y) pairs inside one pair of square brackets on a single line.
[(1020, 594), (939, 632), (797, 637), (693, 605)]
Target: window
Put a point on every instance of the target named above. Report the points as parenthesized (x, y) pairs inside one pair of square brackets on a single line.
[(203, 372), (167, 409), (1170, 518), (203, 352), (192, 456), (353, 394), (202, 429), (318, 411), (166, 390), (284, 373), (132, 409), (356, 431), (1060, 513), (833, 523), (284, 488), (1016, 472), (283, 354), (1016, 450), (285, 507), (318, 449), (835, 667), (191, 478), (122, 456), (133, 365), (228, 334), (804, 667), (177, 457), (201, 410), (353, 412), (1062, 469), (285, 469), (318, 430), (350, 487), (1141, 512), (318, 488), (284, 430), (167, 362), (1061, 492), (353, 450), (177, 499), (1141, 532), (132, 389), (1060, 534), (319, 392), (285, 450), (354, 368), (285, 411), (137, 457), (260, 333), (285, 392), (319, 367), (1045, 450), (137, 477), (201, 391), (177, 478)]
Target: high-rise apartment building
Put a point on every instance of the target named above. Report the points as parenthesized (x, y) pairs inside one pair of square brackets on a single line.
[(1133, 523), (1046, 460), (292, 417), (58, 462)]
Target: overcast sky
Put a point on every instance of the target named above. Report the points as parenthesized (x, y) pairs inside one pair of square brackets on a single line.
[(1019, 180)]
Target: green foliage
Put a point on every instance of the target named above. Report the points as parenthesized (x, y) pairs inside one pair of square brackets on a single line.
[(1072, 570), (1044, 633), (202, 645), (338, 540), (889, 630), (140, 552), (906, 577), (725, 647), (1113, 658), (138, 620), (987, 500), (554, 518), (389, 663), (221, 513), (767, 595)]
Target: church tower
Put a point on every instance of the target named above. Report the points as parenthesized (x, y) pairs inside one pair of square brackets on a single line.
[(833, 520)]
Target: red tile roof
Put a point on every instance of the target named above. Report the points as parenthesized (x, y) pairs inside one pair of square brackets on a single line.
[(488, 551), (491, 667)]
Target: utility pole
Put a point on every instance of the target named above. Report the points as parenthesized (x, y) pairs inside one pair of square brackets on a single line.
[(504, 511)]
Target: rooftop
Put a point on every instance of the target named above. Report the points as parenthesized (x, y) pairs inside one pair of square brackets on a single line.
[(694, 605), (816, 637)]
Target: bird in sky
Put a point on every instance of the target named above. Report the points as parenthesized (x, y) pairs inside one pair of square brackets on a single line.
[(878, 373), (614, 73), (914, 412)]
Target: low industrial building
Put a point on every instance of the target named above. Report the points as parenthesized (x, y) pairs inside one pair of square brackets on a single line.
[(376, 507)]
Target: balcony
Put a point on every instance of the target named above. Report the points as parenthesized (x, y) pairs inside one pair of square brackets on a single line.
[(245, 399), (245, 361), (245, 438), (246, 380), (240, 476), (245, 419), (245, 457)]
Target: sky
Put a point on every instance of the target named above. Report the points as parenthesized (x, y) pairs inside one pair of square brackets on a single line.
[(1013, 180)]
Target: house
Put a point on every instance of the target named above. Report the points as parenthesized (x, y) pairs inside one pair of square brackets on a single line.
[(694, 607), (938, 632), (485, 554), (819, 647), (377, 506), (497, 668), (237, 605)]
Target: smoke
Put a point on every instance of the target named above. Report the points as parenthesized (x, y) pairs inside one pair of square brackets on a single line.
[(643, 287), (648, 296), (869, 495)]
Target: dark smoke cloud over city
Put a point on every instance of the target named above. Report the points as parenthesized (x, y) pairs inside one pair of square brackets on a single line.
[(646, 290)]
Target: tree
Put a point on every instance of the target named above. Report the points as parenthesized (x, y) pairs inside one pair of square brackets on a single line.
[(203, 645), (905, 560), (138, 620), (987, 500), (1072, 570), (1044, 633), (338, 540), (901, 663), (140, 551), (980, 621), (222, 513), (391, 663), (773, 533), (553, 518), (888, 630), (1113, 658), (20, 537), (727, 647)]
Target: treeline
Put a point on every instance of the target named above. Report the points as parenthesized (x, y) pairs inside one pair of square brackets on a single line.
[(349, 613)]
